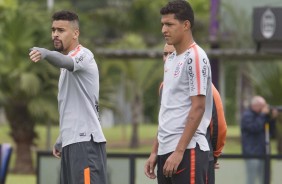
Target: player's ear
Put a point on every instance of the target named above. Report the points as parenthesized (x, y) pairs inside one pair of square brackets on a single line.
[(76, 34), (187, 24)]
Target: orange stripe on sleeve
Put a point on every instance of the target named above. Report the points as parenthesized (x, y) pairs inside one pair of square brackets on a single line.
[(193, 166), (87, 175), (197, 62), (76, 51)]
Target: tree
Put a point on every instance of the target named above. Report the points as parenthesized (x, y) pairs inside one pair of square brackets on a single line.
[(139, 75), (27, 91), (142, 75)]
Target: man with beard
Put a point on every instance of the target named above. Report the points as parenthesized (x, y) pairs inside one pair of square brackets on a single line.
[(81, 143)]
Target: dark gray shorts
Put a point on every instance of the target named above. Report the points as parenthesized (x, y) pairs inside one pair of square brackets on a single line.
[(192, 169), (84, 163), (211, 173)]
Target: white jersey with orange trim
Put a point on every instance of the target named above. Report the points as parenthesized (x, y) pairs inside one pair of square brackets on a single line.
[(185, 75), (78, 99)]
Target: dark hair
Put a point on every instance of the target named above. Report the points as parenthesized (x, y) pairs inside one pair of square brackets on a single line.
[(181, 9), (66, 15)]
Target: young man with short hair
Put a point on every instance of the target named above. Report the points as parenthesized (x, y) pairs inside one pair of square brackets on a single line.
[(216, 132), (181, 149)]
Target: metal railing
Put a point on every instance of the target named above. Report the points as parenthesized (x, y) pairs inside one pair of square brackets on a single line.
[(128, 168)]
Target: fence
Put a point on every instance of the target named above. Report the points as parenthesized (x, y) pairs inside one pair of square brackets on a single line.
[(128, 169)]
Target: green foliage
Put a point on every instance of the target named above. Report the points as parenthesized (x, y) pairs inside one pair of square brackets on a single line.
[(267, 80), (108, 25), (20, 79), (129, 40), (152, 101), (202, 20), (20, 178), (25, 84), (235, 27), (27, 90), (137, 76), (145, 19), (8, 4), (201, 9)]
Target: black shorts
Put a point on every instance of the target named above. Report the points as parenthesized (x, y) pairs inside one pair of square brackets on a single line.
[(193, 167), (84, 163)]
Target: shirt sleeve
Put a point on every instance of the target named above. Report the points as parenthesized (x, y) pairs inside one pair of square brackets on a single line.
[(198, 72), (55, 58), (81, 59), (219, 125)]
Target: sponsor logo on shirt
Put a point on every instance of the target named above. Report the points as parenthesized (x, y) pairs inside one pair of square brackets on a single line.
[(82, 134), (205, 61), (97, 107), (79, 59), (186, 55), (191, 75), (205, 72), (97, 111), (178, 69), (190, 61)]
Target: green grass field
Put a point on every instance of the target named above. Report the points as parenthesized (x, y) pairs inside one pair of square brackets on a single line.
[(22, 179), (118, 139)]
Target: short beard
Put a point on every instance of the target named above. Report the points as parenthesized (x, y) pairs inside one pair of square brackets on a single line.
[(60, 49)]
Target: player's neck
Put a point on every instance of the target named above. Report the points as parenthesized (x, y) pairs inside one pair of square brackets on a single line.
[(183, 46), (184, 43), (70, 48)]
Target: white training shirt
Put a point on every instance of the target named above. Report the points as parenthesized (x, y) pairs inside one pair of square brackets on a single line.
[(185, 75), (78, 99)]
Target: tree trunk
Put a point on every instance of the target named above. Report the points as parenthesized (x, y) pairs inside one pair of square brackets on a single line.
[(136, 119), (23, 163), (134, 143), (244, 90), (22, 132)]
